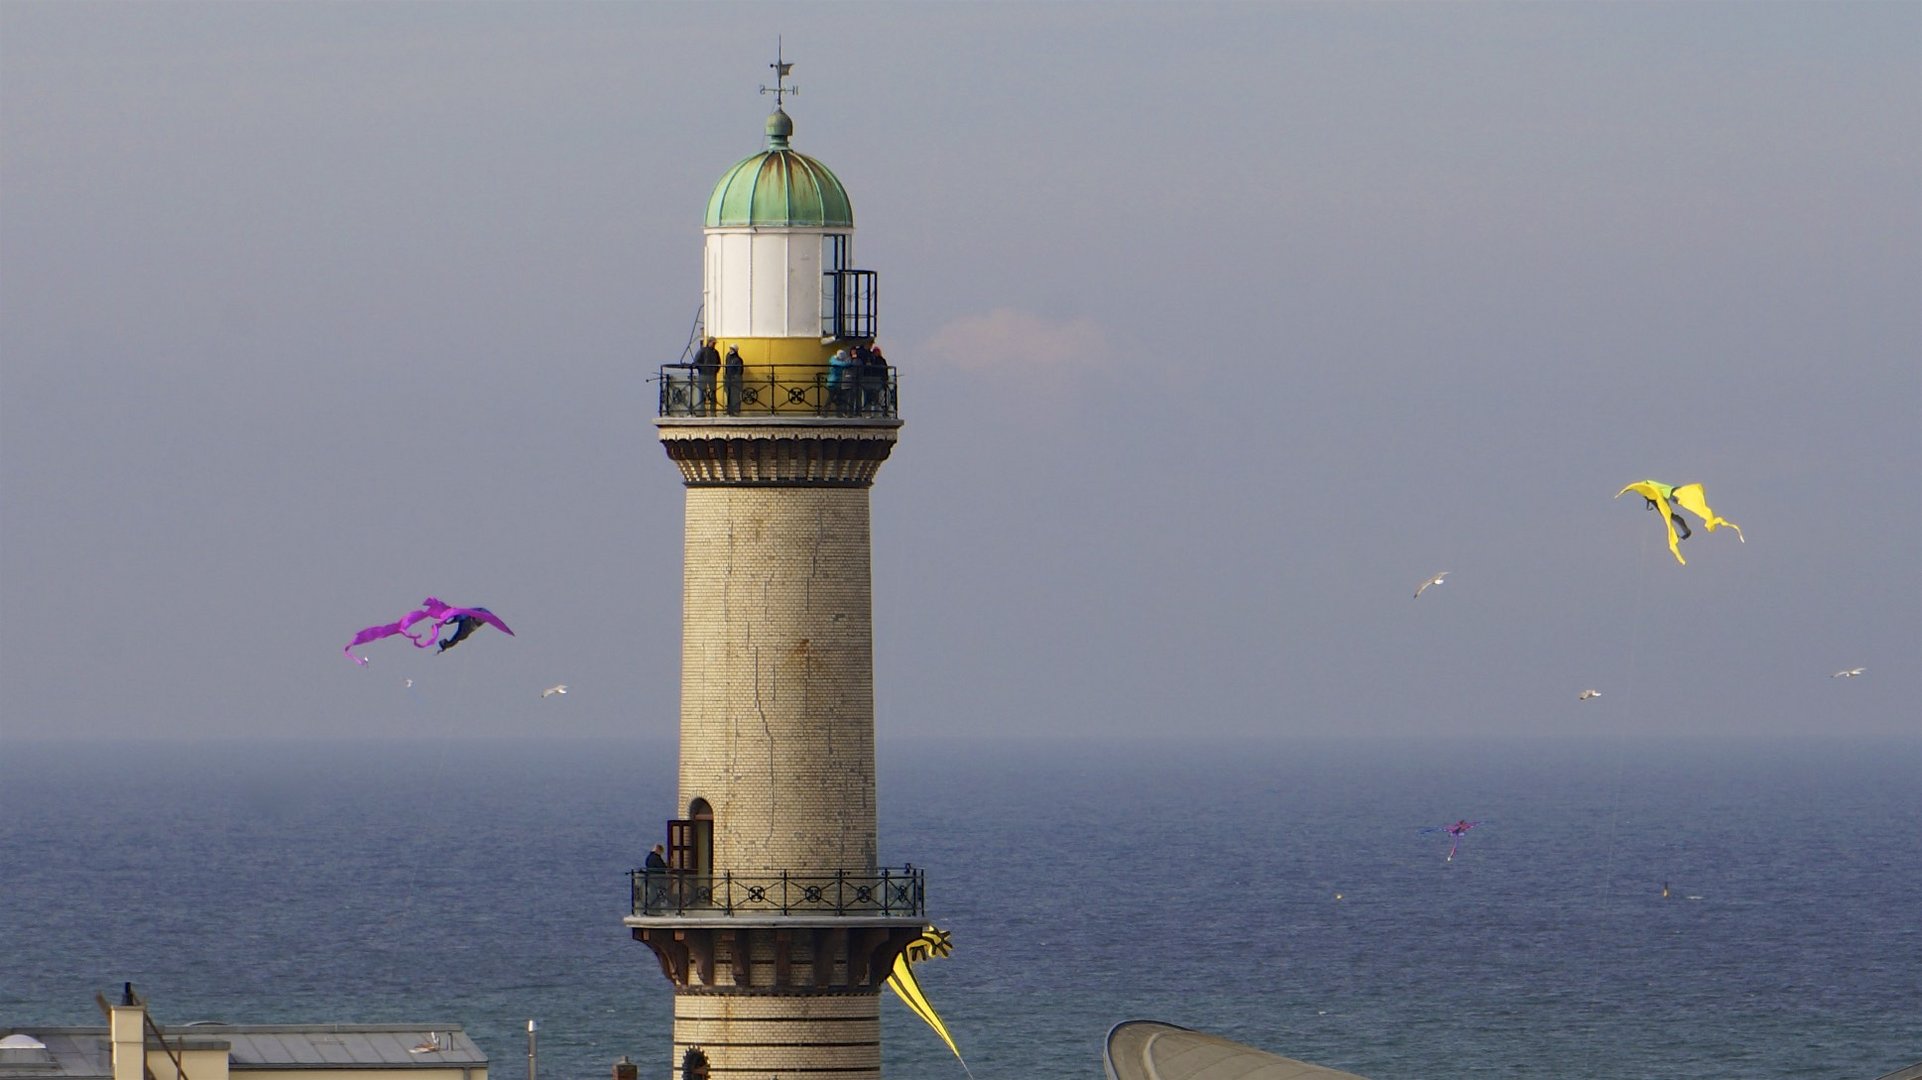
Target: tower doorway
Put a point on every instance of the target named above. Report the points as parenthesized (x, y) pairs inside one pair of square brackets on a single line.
[(690, 840)]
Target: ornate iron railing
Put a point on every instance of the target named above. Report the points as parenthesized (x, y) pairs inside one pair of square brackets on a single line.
[(841, 893), (778, 390)]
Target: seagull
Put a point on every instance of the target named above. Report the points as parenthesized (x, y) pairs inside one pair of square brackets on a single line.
[(1586, 694), (1436, 580), (410, 683), (1849, 674), (557, 688), (429, 1045)]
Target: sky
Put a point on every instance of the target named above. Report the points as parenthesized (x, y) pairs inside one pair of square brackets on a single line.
[(1219, 328)]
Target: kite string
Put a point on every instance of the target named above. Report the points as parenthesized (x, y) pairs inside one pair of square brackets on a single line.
[(437, 774), (1631, 695), (1632, 683)]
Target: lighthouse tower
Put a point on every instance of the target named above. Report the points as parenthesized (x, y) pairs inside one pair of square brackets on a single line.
[(773, 919)]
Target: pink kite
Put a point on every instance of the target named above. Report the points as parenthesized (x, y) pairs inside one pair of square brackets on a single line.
[(1455, 832), (465, 620)]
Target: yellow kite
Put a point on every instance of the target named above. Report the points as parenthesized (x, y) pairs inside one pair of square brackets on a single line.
[(932, 942), (1690, 498)]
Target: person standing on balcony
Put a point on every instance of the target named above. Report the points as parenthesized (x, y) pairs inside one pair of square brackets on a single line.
[(654, 876), (707, 364), (732, 380), (838, 366), (878, 374), (863, 378)]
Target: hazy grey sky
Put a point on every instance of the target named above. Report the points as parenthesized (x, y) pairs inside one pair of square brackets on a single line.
[(1219, 327)]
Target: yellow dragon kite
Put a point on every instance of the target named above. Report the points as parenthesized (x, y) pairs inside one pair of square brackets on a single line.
[(932, 942), (1690, 498)]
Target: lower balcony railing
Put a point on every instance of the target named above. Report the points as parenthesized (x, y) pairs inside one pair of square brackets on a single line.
[(841, 893)]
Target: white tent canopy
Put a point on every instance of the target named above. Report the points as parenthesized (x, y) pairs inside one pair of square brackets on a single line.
[(1151, 1050)]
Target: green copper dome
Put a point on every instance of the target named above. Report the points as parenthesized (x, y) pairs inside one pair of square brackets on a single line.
[(779, 186)]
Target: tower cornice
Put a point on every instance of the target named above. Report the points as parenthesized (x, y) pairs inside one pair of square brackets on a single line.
[(802, 452)]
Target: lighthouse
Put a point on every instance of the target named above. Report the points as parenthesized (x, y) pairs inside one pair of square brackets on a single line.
[(772, 917)]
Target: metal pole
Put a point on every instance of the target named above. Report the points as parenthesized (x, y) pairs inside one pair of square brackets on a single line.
[(530, 1050)]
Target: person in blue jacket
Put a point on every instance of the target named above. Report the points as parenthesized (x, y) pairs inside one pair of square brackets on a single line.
[(838, 367)]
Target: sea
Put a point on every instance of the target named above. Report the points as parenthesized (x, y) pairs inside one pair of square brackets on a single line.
[(1279, 893)]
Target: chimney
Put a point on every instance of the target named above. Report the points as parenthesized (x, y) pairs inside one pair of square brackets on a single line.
[(626, 1070), (127, 1033)]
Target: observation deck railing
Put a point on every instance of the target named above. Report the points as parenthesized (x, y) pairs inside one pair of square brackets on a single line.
[(842, 893), (778, 390)]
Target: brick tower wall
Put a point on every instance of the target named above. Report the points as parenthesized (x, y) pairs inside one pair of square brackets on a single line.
[(777, 694)]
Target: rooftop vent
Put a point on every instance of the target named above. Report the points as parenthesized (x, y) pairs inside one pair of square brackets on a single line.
[(24, 1053)]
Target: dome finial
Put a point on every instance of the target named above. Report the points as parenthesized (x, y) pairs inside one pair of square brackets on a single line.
[(779, 127)]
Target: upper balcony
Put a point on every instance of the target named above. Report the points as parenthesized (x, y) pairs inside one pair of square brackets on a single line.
[(885, 893), (782, 390)]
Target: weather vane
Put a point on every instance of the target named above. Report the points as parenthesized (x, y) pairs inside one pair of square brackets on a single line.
[(781, 68)]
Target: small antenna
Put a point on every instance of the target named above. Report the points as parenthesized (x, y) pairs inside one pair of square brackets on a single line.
[(781, 68)]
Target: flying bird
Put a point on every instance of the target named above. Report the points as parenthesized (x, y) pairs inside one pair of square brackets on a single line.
[(1436, 580), (1849, 674), (558, 688), (1586, 694), (429, 1045)]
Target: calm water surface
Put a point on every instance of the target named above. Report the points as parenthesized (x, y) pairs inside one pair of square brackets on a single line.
[(482, 884)]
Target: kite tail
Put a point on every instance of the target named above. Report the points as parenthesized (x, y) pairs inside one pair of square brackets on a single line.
[(431, 636), (359, 661), (1712, 523), (1695, 501)]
